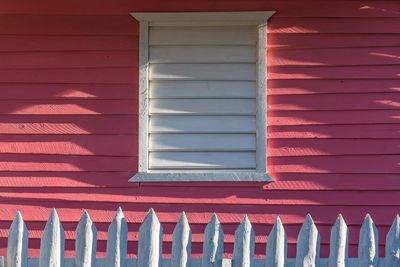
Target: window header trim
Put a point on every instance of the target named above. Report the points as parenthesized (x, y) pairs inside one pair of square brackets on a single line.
[(247, 17)]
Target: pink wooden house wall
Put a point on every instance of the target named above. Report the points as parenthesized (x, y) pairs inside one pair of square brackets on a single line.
[(68, 120)]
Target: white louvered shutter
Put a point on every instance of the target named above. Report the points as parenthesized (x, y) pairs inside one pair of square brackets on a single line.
[(202, 98)]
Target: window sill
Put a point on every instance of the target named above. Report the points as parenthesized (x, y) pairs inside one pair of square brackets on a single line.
[(201, 177)]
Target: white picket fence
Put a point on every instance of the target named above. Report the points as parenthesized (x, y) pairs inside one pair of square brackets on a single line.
[(150, 245)]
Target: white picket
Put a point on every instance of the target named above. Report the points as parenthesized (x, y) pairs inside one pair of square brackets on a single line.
[(243, 249), (182, 243), (52, 243), (17, 245), (276, 246), (150, 245), (117, 241), (392, 258), (338, 244), (150, 241), (213, 244), (368, 244), (307, 254), (85, 242)]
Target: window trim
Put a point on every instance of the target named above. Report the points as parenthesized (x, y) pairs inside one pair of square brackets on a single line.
[(256, 18)]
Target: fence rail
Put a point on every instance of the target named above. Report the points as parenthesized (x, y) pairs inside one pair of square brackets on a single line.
[(150, 245)]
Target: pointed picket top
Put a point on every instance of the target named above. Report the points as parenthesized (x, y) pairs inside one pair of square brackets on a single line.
[(338, 253), (368, 244), (150, 241), (243, 249), (276, 245), (182, 243), (85, 242), (117, 241), (392, 258), (52, 243), (17, 244), (307, 253), (213, 245)]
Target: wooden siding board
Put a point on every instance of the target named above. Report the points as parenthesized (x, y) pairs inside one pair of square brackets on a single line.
[(68, 124), (50, 91), (287, 8)]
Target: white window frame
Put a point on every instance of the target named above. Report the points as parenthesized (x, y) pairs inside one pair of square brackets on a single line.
[(256, 18)]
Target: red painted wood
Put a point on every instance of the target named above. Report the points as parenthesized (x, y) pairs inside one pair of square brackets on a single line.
[(68, 124), (331, 147), (285, 41), (59, 42), (284, 118), (49, 91), (100, 145), (198, 196), (334, 56), (121, 75), (55, 163), (66, 179), (371, 131), (284, 87), (68, 59), (328, 72), (70, 25), (68, 107), (285, 7), (370, 101), (336, 164), (333, 25)]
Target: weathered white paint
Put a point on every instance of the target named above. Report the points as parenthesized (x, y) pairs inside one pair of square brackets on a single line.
[(307, 253), (202, 160), (202, 89), (238, 35), (182, 243), (117, 241), (85, 242), (143, 96), (368, 244), (202, 54), (243, 250), (150, 241), (207, 72), (202, 124), (338, 253), (218, 18), (197, 107), (277, 246), (52, 243), (393, 244), (213, 244), (261, 115), (212, 142), (185, 63), (17, 245)]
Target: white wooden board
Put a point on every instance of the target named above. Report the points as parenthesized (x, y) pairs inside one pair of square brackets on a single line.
[(202, 89), (239, 35), (202, 142), (203, 54), (245, 72), (202, 124), (203, 106), (200, 160)]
